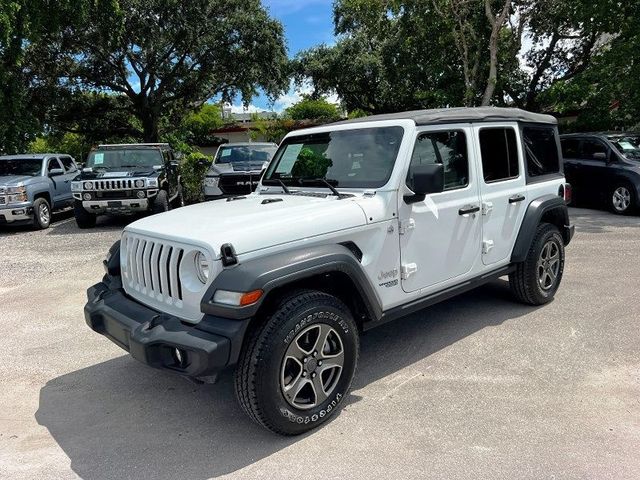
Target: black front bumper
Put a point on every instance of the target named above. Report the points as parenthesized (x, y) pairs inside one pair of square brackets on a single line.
[(152, 337)]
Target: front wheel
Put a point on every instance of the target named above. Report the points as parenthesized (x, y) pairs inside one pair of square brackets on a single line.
[(536, 280), (161, 202), (296, 369), (84, 219), (622, 199), (41, 214)]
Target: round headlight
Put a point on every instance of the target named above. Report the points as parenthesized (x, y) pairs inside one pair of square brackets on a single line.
[(202, 267), (88, 185), (139, 183)]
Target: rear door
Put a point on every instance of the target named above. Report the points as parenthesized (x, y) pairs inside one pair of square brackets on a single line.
[(594, 167), (439, 241), (502, 189)]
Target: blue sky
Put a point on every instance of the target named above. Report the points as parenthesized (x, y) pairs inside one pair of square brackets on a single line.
[(306, 23)]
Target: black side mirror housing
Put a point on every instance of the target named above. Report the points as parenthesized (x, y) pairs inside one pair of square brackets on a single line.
[(425, 180), (600, 156)]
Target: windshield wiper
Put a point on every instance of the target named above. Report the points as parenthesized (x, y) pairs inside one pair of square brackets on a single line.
[(325, 182)]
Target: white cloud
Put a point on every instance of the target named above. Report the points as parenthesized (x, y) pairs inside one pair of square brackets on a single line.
[(251, 108), (294, 95)]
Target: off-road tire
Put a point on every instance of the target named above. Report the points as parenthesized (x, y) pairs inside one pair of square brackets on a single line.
[(626, 206), (41, 213), (179, 200), (84, 219), (525, 280), (258, 381), (161, 203)]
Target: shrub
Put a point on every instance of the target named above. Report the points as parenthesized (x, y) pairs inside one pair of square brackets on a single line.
[(193, 168)]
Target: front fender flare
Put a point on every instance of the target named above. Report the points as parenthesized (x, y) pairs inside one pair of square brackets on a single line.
[(273, 271)]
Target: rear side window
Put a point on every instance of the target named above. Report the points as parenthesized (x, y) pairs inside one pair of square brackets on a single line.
[(499, 150), (541, 150), (570, 147), (448, 148)]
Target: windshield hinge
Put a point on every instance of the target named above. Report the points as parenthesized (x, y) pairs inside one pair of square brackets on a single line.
[(487, 207), (406, 225)]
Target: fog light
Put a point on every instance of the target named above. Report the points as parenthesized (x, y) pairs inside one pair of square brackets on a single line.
[(18, 212), (87, 196), (140, 194)]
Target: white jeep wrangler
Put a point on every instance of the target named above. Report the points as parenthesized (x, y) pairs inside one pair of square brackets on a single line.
[(353, 225)]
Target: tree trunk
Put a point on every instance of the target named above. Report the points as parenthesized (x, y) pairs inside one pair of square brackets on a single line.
[(497, 21), (149, 119)]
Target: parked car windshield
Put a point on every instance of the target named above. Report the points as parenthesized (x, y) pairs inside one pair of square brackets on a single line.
[(24, 166), (361, 158), (245, 153), (629, 146), (125, 158)]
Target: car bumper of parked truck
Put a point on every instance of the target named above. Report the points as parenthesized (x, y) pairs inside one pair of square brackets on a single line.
[(116, 206), (16, 213), (199, 351)]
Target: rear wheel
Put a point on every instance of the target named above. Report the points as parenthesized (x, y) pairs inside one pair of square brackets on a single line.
[(622, 199), (41, 213), (536, 280), (84, 219), (296, 369)]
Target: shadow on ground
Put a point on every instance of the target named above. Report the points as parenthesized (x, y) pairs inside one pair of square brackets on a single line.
[(594, 221), (63, 223), (120, 419)]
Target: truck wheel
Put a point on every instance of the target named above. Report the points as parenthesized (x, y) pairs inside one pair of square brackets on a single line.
[(41, 214), (296, 369), (161, 202), (622, 199), (84, 219), (536, 280), (179, 200)]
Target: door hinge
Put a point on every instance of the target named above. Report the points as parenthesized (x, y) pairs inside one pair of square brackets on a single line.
[(408, 269), (487, 207), (487, 246), (406, 225)]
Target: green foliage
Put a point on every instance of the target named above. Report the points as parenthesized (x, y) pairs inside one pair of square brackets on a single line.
[(193, 168), (197, 126), (271, 130), (313, 109), (311, 164), (69, 143)]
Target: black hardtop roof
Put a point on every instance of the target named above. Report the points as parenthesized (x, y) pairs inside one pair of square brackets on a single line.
[(460, 115), (122, 146)]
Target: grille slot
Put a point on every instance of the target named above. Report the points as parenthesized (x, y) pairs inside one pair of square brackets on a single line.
[(107, 185), (153, 269)]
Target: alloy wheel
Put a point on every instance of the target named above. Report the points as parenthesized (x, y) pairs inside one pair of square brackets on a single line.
[(44, 214), (312, 366), (548, 265), (621, 199)]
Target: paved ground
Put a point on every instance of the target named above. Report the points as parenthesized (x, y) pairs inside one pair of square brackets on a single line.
[(478, 387)]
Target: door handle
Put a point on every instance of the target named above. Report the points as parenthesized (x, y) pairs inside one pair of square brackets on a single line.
[(516, 198), (467, 209)]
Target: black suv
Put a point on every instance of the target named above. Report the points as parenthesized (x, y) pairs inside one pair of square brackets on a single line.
[(604, 166), (125, 179)]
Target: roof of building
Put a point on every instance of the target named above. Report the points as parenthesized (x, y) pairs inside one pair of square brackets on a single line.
[(460, 115)]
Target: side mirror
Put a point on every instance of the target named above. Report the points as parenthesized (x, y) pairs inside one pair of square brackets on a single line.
[(56, 172), (174, 163), (425, 179), (600, 156)]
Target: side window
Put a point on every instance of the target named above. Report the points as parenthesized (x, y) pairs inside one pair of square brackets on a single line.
[(52, 164), (570, 147), (594, 150), (498, 147), (448, 148), (69, 166), (541, 150)]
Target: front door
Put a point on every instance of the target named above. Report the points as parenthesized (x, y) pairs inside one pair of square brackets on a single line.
[(502, 189), (440, 237), (57, 181)]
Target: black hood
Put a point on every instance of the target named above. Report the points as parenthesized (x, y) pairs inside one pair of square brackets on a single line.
[(141, 172)]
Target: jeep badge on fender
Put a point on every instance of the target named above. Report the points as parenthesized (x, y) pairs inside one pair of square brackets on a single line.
[(352, 225)]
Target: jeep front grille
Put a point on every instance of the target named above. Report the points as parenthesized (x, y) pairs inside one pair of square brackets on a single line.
[(153, 268), (123, 184)]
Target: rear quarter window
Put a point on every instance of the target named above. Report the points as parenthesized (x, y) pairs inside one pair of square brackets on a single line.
[(541, 150)]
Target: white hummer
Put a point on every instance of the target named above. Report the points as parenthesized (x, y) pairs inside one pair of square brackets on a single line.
[(353, 224)]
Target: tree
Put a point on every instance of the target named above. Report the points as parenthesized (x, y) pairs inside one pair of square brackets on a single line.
[(197, 126), (310, 108), (168, 57)]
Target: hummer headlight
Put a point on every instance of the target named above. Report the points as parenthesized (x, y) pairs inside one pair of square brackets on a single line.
[(139, 183), (202, 267), (88, 185)]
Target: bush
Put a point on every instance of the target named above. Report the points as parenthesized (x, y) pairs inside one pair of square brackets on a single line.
[(193, 168)]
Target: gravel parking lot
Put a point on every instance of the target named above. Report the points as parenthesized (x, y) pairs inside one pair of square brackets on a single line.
[(478, 387)]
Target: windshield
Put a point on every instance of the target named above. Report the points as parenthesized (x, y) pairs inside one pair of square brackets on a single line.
[(629, 146), (29, 166), (362, 158), (245, 153), (132, 158)]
